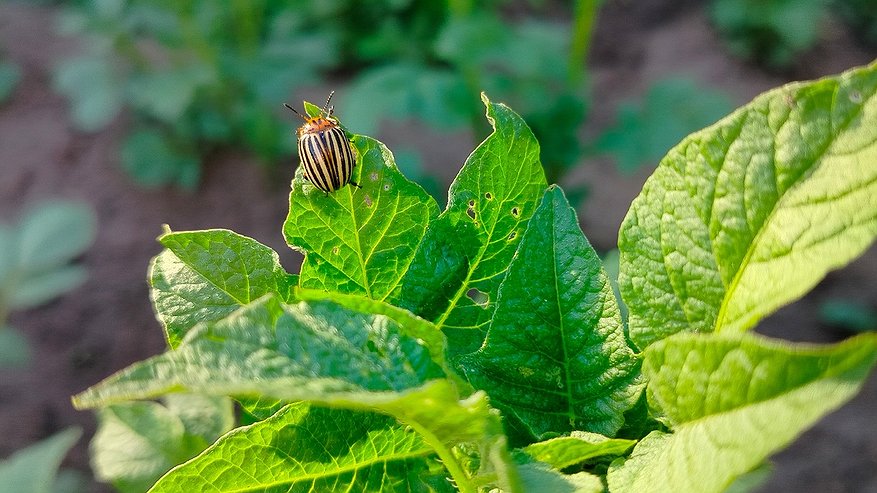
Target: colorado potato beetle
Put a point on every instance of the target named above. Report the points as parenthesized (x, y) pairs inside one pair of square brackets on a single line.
[(325, 152)]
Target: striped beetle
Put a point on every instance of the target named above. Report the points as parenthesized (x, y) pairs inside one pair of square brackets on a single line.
[(324, 150)]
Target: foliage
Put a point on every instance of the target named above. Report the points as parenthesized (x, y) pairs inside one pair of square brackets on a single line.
[(35, 468), (861, 15), (848, 315), (10, 75), (770, 32), (670, 110), (482, 346), (35, 264)]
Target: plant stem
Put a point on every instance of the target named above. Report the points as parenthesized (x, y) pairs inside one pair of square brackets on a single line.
[(583, 26), (461, 479)]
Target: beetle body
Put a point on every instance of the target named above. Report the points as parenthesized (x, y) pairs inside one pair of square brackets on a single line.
[(325, 152)]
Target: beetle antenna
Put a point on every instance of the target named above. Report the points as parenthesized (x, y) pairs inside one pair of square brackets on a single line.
[(326, 109), (296, 112)]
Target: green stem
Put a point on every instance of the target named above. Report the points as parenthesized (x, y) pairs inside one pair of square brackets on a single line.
[(584, 15), (461, 479)]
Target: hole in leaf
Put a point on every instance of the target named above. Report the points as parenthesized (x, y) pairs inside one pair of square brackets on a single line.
[(471, 212), (335, 251), (513, 235), (488, 196), (480, 298), (472, 204), (386, 187), (516, 212)]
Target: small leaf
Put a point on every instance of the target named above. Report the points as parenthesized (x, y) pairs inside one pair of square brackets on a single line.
[(14, 349), (672, 109), (94, 88), (732, 400), (490, 202), (555, 354), (579, 446), (166, 95), (203, 276), (539, 478), (153, 161), (37, 289), (10, 75), (359, 240), (33, 469), (137, 442), (745, 216), (52, 233)]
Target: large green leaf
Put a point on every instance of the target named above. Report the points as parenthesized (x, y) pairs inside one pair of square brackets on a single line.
[(306, 448), (749, 214), (469, 247), (294, 352), (359, 240), (732, 400), (33, 469), (555, 354), (202, 276)]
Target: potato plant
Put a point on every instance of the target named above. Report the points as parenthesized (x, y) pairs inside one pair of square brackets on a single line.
[(481, 346)]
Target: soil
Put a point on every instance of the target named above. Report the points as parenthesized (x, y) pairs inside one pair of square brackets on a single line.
[(108, 324)]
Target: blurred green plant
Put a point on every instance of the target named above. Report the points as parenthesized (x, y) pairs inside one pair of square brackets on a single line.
[(861, 15), (35, 468), (848, 315), (769, 32), (35, 264), (10, 74), (644, 132), (200, 74)]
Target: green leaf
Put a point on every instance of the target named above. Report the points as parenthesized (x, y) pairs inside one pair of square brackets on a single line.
[(749, 214), (14, 349), (538, 478), (33, 469), (579, 446), (672, 109), (53, 233), (306, 448), (490, 202), (137, 442), (359, 240), (555, 354), (166, 95), (410, 324), (848, 314), (94, 88), (288, 352), (10, 75), (153, 161), (36, 289), (732, 400), (203, 276), (406, 90)]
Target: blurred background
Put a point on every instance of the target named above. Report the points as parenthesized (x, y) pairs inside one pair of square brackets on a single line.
[(117, 116)]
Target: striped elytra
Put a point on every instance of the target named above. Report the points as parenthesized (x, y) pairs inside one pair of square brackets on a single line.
[(324, 150)]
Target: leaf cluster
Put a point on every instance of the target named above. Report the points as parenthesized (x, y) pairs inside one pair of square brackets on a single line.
[(481, 346), (771, 32), (35, 264)]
